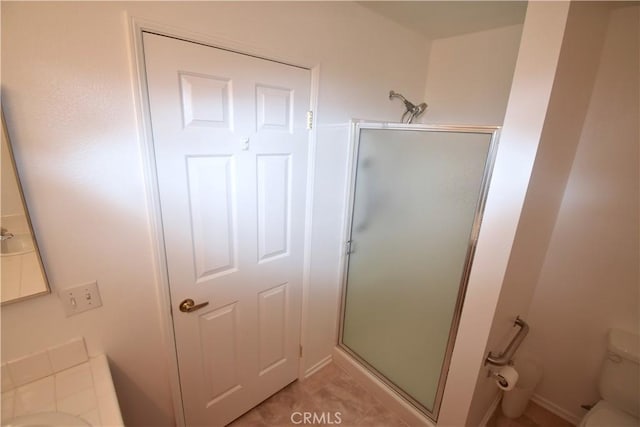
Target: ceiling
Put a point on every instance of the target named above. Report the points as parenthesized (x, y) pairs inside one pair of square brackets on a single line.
[(440, 19)]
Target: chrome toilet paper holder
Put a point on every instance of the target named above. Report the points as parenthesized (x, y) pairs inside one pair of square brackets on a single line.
[(499, 378)]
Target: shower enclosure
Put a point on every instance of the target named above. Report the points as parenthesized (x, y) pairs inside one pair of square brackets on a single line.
[(416, 199)]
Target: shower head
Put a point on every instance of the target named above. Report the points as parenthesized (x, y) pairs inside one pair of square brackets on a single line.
[(417, 111), (413, 111)]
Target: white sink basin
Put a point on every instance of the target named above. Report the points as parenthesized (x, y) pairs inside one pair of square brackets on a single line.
[(18, 244), (47, 419)]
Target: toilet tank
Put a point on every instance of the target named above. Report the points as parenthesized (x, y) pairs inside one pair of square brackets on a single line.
[(620, 376)]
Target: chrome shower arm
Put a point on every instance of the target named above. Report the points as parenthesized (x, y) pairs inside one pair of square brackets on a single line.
[(407, 104)]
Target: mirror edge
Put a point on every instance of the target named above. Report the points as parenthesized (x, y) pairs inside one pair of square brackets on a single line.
[(5, 135)]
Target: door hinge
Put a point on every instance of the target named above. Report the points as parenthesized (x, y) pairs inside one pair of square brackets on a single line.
[(300, 351), (309, 119)]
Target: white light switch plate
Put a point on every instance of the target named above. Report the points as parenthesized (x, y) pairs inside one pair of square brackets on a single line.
[(80, 298)]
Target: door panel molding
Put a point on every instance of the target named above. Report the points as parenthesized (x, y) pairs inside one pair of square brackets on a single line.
[(194, 113), (210, 179), (221, 323), (135, 29), (273, 178)]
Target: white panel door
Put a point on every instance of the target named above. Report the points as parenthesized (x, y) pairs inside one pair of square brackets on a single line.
[(230, 141)]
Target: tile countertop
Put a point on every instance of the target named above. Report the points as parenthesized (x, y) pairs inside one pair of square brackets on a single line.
[(85, 390)]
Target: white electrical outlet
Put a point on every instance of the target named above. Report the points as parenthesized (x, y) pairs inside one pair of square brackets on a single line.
[(80, 298)]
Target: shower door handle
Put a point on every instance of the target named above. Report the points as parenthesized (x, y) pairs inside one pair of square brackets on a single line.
[(188, 305), (349, 245)]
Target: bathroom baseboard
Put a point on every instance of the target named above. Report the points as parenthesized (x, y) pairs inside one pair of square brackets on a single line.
[(555, 409), (492, 409), (315, 368), (537, 399)]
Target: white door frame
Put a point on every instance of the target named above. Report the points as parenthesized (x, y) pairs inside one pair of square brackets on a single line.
[(143, 115)]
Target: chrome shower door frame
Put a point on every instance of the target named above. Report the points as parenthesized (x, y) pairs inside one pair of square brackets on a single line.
[(356, 128)]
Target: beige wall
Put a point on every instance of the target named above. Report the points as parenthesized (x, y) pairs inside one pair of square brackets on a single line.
[(469, 76), (589, 280), (573, 269), (68, 96)]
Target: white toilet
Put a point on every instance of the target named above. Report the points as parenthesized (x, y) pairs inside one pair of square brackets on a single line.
[(619, 384)]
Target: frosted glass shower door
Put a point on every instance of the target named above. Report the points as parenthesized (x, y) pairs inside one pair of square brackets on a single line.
[(416, 201)]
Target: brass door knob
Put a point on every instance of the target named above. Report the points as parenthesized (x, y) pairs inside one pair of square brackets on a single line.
[(188, 305)]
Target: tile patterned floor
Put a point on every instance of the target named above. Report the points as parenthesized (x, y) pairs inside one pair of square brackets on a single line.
[(534, 416), (326, 392), (332, 390)]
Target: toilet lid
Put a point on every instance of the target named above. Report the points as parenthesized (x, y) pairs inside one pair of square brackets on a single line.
[(606, 415)]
